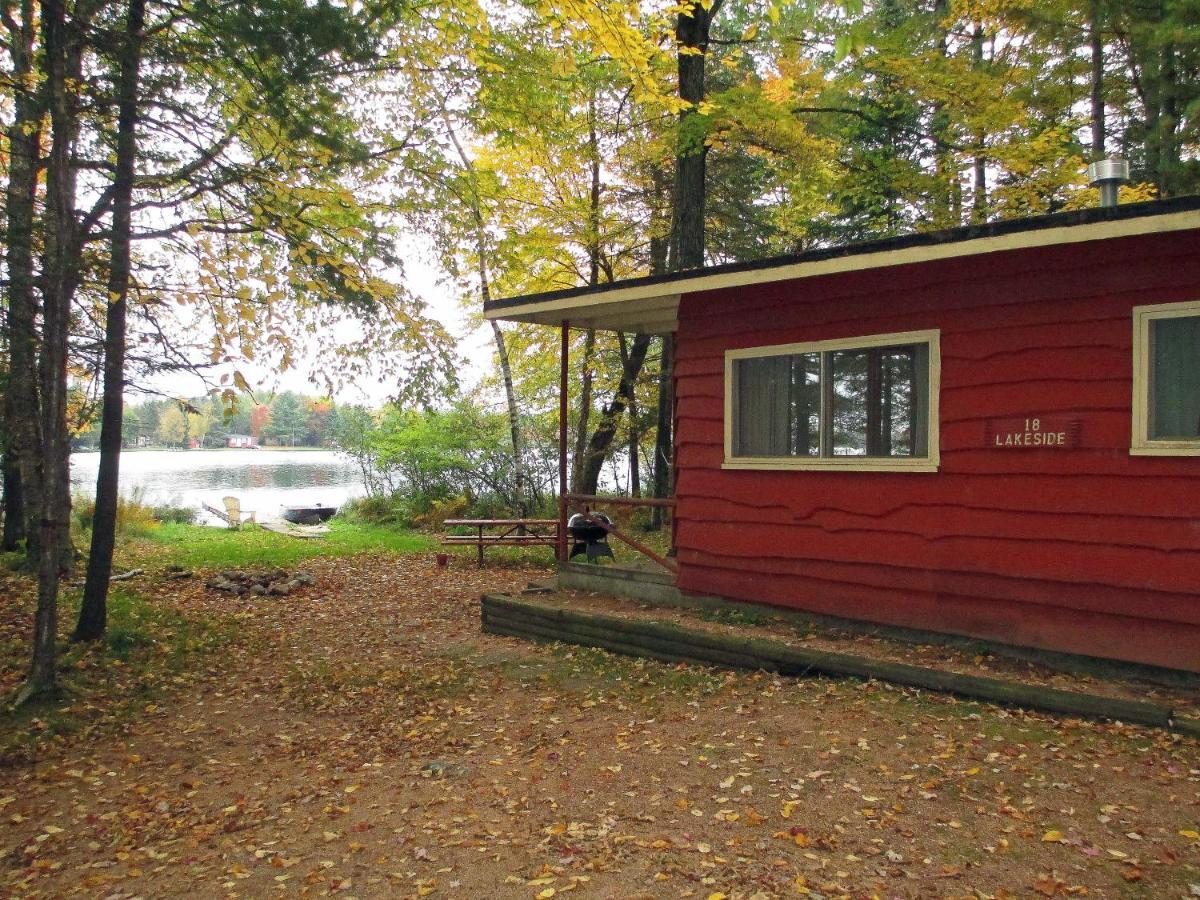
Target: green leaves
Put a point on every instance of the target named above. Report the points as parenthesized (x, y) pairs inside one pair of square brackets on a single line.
[(853, 40)]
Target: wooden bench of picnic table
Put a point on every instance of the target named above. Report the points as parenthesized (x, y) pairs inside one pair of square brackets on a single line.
[(503, 533)]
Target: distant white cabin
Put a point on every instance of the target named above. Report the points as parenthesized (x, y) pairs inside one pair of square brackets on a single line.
[(241, 440)]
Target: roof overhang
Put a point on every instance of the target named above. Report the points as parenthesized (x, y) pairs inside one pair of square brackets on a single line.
[(651, 305)]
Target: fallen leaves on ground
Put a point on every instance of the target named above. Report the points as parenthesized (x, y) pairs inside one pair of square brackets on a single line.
[(361, 737)]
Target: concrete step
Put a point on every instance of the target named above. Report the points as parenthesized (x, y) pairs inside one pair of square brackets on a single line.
[(635, 584)]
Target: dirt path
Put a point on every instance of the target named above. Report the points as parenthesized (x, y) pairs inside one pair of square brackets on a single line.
[(363, 738)]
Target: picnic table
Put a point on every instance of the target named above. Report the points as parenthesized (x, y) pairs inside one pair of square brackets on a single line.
[(502, 533)]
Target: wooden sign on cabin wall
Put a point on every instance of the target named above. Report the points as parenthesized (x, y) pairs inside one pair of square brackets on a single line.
[(1033, 432)]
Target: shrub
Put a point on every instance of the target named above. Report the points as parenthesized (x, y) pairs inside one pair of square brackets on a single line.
[(493, 506), (440, 511), (133, 516), (83, 511), (376, 510), (175, 515), (420, 510)]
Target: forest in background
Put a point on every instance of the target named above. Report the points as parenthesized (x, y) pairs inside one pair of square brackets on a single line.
[(779, 128), (287, 419), (210, 188)]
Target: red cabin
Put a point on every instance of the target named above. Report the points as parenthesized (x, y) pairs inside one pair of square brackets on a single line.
[(992, 431)]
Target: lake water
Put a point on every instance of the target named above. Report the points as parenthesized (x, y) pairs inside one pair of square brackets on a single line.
[(263, 480)]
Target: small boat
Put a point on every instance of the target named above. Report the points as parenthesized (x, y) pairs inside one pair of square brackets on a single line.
[(307, 515)]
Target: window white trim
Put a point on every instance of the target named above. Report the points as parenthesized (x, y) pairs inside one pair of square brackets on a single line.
[(928, 463), (1141, 444)]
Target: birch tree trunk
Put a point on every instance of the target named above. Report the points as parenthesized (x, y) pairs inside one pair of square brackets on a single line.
[(520, 474), (514, 423)]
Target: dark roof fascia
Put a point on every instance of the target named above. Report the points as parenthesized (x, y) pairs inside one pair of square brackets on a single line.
[(918, 239)]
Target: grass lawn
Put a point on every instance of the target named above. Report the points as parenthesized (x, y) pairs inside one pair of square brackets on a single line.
[(205, 547), (362, 737)]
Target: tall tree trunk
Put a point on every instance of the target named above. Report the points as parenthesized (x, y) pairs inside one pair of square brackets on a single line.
[(1158, 88), (666, 420), (691, 152), (59, 276), (661, 462), (660, 221), (687, 208), (943, 212), (979, 196), (586, 378), (581, 462), (1096, 38), (22, 452), (514, 423), (635, 450), (520, 475), (979, 193), (69, 236), (635, 456), (593, 232), (1168, 122), (1152, 146), (14, 503), (601, 440), (635, 463), (93, 612)]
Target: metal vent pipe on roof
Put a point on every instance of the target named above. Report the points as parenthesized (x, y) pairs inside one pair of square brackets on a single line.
[(1108, 175)]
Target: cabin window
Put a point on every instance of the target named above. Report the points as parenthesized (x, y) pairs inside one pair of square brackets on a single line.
[(1166, 379), (864, 404)]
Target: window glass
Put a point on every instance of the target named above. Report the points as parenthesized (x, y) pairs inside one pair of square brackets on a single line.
[(875, 404), (806, 405), (850, 402), (777, 405), (1175, 378), (763, 392)]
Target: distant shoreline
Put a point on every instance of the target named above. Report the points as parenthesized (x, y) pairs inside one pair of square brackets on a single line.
[(209, 449)]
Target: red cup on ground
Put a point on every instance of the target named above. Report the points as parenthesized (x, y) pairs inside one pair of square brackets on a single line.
[(443, 560)]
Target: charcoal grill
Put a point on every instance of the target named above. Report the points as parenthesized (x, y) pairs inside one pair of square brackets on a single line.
[(590, 538)]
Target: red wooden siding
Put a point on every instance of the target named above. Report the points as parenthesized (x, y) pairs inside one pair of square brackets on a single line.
[(1087, 550)]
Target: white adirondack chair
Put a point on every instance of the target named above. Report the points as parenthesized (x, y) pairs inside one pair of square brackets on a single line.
[(234, 513)]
